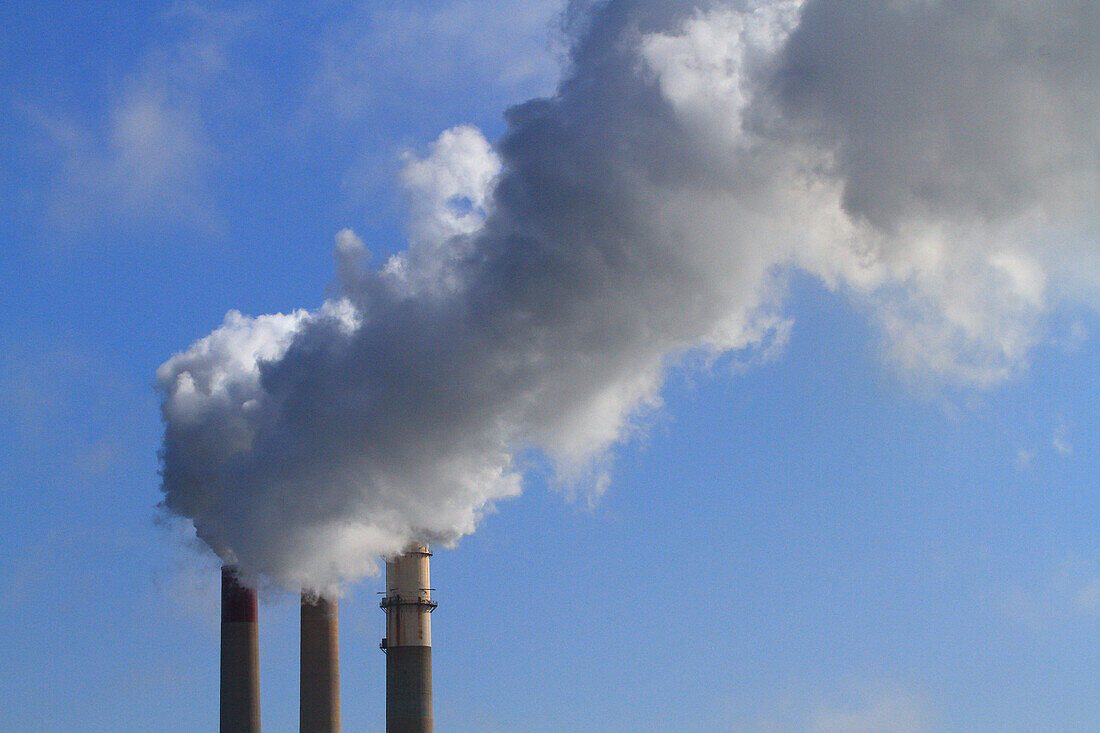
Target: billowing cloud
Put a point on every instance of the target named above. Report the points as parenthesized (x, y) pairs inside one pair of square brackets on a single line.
[(642, 213)]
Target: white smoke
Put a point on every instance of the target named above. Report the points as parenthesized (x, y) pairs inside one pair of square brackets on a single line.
[(926, 157)]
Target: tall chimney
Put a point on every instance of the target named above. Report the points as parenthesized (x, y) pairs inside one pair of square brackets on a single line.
[(408, 643), (320, 666), (240, 673)]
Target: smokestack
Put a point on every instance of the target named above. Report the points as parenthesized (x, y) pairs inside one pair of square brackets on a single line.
[(408, 643), (240, 673), (320, 682)]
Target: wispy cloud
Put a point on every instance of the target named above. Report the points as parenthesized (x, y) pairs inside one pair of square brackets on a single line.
[(856, 708), (1069, 589), (146, 157), (1072, 337), (187, 581), (884, 712), (1060, 441), (454, 47), (63, 398), (1049, 443), (145, 164)]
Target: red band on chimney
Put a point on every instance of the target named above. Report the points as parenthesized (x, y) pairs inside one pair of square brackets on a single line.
[(238, 601)]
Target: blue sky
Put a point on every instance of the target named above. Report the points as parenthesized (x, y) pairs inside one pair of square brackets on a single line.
[(815, 539)]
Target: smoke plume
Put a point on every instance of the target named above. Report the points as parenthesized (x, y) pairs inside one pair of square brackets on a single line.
[(934, 160)]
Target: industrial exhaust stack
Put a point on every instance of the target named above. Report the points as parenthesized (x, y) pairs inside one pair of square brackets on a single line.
[(240, 664), (408, 643), (320, 666)]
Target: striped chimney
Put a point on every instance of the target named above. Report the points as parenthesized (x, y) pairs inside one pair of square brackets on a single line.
[(240, 664), (408, 643)]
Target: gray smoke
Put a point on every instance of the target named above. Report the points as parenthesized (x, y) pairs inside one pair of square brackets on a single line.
[(934, 159)]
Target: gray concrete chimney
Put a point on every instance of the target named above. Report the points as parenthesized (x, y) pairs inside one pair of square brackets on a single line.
[(320, 666)]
